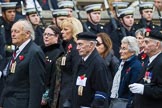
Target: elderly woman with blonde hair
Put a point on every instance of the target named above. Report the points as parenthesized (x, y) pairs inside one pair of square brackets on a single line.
[(127, 72), (70, 27)]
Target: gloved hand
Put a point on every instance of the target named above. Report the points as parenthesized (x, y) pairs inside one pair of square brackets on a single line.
[(136, 88)]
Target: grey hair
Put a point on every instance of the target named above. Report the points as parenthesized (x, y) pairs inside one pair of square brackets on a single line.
[(132, 44), (142, 32), (27, 26)]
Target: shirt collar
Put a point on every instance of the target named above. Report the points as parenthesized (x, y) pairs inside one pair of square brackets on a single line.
[(23, 45), (153, 57)]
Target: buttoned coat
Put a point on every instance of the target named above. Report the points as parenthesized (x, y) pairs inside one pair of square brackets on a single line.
[(98, 80), (24, 87), (152, 95)]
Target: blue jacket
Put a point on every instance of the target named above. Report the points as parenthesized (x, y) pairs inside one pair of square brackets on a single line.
[(129, 75)]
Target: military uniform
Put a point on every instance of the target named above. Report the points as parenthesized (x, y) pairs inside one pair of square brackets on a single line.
[(140, 24), (89, 27), (143, 23), (37, 28), (117, 36), (109, 27), (7, 28), (39, 35)]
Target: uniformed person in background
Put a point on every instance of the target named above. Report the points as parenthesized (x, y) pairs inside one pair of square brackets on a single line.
[(126, 28), (58, 16), (2, 58), (109, 27), (34, 18), (19, 9), (94, 18), (158, 4), (92, 80), (8, 18), (68, 5), (146, 11)]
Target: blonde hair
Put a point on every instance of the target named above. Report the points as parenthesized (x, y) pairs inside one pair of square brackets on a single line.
[(74, 24)]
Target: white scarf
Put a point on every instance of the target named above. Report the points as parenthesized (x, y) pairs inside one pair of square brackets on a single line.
[(116, 81)]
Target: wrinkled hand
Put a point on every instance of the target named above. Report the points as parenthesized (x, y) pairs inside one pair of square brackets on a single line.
[(136, 88)]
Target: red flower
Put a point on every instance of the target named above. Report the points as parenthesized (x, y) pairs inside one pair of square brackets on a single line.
[(21, 57), (82, 77), (128, 70), (143, 56), (70, 47)]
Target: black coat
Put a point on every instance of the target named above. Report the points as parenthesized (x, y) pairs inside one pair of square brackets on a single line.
[(39, 36), (89, 27), (7, 34), (140, 24), (152, 95), (98, 80), (68, 71), (112, 63), (24, 87), (116, 37), (52, 53), (109, 27)]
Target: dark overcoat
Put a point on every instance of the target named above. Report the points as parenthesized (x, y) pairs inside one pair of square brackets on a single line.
[(24, 87), (89, 27), (67, 71), (98, 81), (152, 95)]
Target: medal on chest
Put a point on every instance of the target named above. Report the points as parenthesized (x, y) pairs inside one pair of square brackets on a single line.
[(148, 76), (81, 82), (13, 66)]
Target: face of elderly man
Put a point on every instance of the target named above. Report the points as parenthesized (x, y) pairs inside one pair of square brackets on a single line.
[(84, 47), (150, 46), (18, 34)]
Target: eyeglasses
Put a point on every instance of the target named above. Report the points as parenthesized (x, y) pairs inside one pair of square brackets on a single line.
[(98, 44), (48, 34)]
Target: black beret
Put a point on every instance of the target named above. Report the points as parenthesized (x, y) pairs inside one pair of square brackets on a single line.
[(154, 34), (86, 36)]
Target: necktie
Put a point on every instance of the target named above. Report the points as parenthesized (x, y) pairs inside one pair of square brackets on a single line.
[(14, 56)]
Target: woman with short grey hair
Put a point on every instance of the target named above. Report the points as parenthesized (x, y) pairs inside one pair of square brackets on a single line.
[(132, 44), (127, 72)]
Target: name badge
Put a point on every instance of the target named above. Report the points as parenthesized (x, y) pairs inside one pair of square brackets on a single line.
[(81, 81), (13, 66)]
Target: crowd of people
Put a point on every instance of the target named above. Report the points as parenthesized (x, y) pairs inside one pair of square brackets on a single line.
[(75, 64)]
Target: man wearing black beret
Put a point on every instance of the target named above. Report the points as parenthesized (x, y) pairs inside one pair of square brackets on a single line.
[(92, 80), (148, 89)]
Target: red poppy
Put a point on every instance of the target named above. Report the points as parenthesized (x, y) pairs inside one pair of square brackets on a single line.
[(143, 56), (128, 70), (21, 57), (82, 77), (70, 47)]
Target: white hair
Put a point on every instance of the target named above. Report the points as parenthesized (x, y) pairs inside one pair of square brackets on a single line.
[(27, 26), (132, 44)]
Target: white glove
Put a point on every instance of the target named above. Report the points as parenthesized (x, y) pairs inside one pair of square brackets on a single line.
[(136, 88), (0, 74)]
